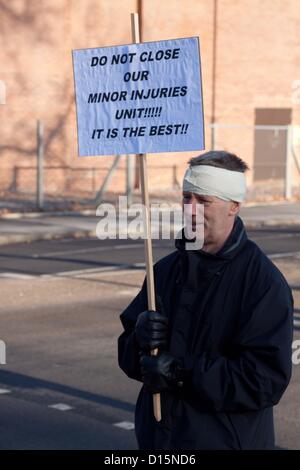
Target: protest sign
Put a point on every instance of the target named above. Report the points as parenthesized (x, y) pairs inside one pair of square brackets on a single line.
[(136, 99), (139, 98)]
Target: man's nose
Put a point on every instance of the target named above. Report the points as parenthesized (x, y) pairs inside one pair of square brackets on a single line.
[(191, 207), (194, 207)]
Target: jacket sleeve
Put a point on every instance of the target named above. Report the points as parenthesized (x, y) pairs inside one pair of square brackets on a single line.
[(128, 349), (260, 370)]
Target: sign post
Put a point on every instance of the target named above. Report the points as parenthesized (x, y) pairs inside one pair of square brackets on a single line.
[(147, 226)]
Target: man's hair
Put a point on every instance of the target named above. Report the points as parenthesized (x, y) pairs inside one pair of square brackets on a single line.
[(220, 159)]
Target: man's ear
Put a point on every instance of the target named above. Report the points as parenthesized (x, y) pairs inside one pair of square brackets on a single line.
[(234, 208)]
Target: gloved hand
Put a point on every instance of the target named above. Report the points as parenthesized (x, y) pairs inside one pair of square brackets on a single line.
[(161, 372), (151, 330)]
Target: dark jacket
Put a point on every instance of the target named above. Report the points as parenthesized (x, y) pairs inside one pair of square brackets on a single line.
[(231, 322)]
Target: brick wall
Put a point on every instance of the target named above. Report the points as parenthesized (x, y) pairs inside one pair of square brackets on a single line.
[(257, 62)]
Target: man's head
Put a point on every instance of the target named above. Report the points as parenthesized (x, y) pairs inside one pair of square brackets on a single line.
[(216, 181)]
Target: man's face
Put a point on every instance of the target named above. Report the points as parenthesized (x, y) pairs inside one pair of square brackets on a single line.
[(214, 213)]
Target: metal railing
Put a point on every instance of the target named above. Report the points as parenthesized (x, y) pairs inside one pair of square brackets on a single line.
[(273, 153)]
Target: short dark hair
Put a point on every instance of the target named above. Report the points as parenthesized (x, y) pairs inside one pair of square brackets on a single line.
[(220, 159)]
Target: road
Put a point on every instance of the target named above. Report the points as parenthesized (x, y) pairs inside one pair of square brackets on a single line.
[(66, 255), (59, 317)]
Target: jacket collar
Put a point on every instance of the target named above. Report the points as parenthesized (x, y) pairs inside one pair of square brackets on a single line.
[(233, 245), (197, 265)]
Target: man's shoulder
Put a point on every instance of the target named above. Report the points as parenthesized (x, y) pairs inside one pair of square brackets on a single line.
[(165, 265), (167, 261), (261, 266)]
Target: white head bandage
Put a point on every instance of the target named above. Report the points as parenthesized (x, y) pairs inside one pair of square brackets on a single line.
[(212, 181)]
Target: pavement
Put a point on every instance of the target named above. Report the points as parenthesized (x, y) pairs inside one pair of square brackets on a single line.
[(17, 227)]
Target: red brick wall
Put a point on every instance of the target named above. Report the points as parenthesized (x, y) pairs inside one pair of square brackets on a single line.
[(257, 61)]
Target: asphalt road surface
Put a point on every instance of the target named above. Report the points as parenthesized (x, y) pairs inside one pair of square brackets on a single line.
[(61, 387), (60, 256)]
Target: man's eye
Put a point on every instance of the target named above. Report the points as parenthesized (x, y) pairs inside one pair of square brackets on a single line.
[(204, 202)]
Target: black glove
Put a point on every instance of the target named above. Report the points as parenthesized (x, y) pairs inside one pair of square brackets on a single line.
[(161, 372), (151, 330)]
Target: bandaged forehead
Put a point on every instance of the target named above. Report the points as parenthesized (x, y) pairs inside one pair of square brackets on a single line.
[(211, 181)]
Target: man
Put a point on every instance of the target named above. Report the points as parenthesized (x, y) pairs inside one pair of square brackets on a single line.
[(223, 328)]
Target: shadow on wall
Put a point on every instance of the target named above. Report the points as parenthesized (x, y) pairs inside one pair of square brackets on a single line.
[(52, 136), (28, 16), (24, 23)]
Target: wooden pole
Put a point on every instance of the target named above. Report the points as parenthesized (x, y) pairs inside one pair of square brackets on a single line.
[(148, 242)]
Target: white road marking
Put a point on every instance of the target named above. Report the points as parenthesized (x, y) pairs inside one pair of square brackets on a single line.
[(127, 425), (61, 407), (296, 254), (79, 272), (3, 391), (134, 245), (297, 323), (130, 292), (16, 276), (87, 250), (74, 273), (276, 236)]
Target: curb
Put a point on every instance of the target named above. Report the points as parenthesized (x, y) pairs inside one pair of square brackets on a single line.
[(252, 225), (92, 212), (40, 215), (28, 238)]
